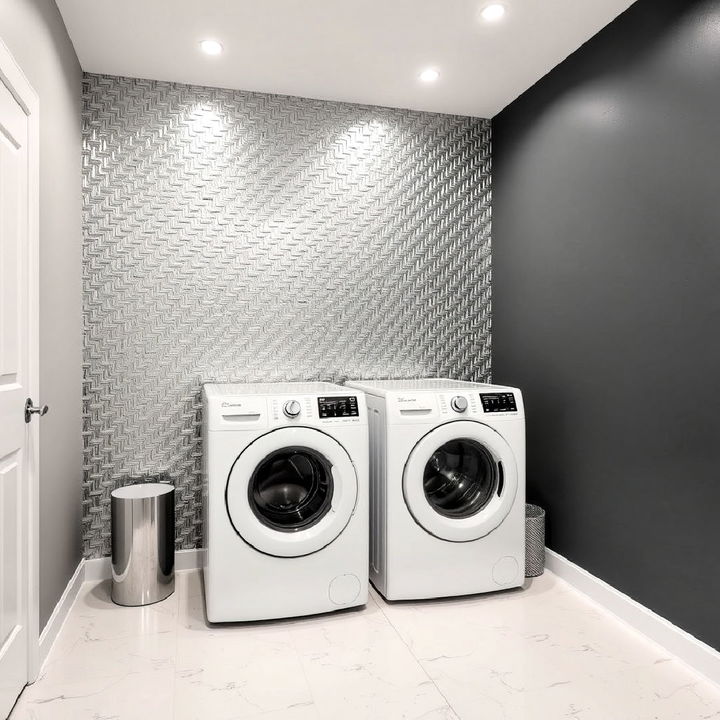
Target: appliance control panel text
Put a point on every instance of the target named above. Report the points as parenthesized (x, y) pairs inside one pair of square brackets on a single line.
[(338, 407), (498, 402)]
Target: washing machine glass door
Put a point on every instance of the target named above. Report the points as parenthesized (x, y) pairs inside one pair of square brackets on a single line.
[(291, 492), (460, 481)]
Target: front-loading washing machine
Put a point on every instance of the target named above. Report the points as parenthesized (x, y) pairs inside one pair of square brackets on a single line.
[(447, 487), (285, 500)]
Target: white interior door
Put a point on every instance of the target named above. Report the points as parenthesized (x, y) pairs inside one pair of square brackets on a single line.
[(16, 437)]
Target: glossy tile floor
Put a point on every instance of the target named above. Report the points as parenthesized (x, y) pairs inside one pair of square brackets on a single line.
[(544, 652)]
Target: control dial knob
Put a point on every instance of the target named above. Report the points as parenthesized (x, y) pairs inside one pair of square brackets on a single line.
[(459, 404), (292, 408)]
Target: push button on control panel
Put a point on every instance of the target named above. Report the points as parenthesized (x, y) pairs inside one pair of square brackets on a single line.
[(338, 407), (498, 402)]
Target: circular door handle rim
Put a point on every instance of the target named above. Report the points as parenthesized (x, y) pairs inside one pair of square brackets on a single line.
[(486, 520), (346, 493), (32, 409)]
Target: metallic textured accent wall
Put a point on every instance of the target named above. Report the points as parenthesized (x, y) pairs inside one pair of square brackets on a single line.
[(236, 236)]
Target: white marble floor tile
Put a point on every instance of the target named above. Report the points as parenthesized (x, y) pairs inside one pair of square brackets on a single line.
[(104, 658), (358, 667), (95, 617), (666, 690), (238, 672), (541, 653), (132, 696), (297, 712), (544, 620)]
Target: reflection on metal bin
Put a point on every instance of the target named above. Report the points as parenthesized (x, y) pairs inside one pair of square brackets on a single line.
[(143, 543), (534, 540)]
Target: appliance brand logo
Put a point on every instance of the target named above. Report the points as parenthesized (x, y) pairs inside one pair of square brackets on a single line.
[(227, 404)]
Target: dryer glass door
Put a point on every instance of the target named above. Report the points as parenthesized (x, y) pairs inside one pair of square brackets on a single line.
[(460, 481), (291, 489), (291, 492), (461, 478)]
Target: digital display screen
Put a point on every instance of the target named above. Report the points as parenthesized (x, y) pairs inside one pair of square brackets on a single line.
[(498, 402), (338, 407)]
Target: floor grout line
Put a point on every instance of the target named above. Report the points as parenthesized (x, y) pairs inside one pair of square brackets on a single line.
[(302, 667), (381, 607)]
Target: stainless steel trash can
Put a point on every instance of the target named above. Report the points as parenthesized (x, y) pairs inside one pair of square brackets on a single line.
[(143, 543), (534, 540)]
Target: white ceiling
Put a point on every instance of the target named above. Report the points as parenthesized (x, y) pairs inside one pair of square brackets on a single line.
[(368, 51)]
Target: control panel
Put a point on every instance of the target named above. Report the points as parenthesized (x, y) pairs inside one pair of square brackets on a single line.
[(257, 411), (498, 402), (452, 404), (299, 408), (338, 407), (424, 407)]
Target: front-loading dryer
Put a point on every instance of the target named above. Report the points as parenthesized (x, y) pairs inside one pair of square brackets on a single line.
[(285, 500), (447, 487)]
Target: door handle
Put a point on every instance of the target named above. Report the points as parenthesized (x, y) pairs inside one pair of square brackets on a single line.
[(31, 410)]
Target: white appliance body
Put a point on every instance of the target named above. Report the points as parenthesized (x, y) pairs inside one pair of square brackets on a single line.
[(447, 487), (285, 500)]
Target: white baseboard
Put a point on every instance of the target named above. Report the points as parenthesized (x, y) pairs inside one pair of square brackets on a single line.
[(94, 570), (59, 614), (189, 559), (695, 653), (100, 568)]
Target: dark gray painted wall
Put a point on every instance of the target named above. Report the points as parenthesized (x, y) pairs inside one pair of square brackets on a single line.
[(35, 34), (606, 302)]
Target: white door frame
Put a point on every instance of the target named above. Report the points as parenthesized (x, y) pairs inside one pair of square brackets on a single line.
[(14, 79)]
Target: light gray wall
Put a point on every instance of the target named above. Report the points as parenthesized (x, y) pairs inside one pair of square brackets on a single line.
[(35, 34), (606, 302), (241, 236)]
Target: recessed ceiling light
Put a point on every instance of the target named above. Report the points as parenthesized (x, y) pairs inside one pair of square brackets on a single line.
[(211, 47), (493, 13), (429, 75)]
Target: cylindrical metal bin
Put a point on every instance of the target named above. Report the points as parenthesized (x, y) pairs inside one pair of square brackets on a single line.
[(534, 540), (143, 543)]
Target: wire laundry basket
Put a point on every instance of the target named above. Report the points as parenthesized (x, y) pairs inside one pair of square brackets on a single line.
[(534, 540)]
